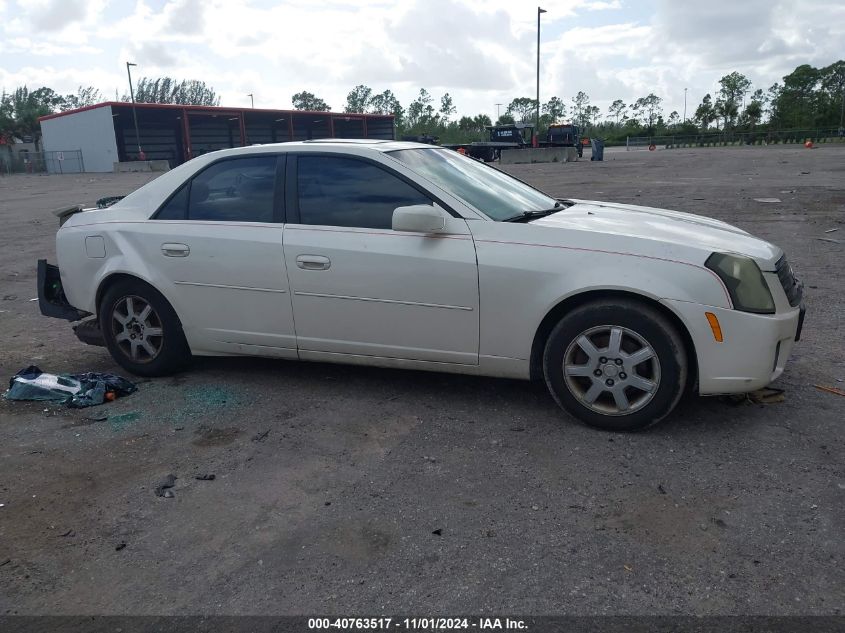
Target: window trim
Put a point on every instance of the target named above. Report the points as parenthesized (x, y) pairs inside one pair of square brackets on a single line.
[(292, 184), (279, 197)]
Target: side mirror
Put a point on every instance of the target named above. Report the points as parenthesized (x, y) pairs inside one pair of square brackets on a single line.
[(418, 218)]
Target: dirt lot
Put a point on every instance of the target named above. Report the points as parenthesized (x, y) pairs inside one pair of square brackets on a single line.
[(331, 481)]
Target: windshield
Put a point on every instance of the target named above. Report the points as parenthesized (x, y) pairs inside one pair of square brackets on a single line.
[(493, 192)]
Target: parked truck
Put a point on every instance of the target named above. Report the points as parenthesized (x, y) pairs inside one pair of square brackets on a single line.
[(564, 135)]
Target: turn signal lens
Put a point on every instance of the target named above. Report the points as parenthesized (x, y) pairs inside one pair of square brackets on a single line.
[(714, 325)]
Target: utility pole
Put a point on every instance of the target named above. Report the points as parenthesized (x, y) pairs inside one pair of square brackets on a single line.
[(134, 113), (251, 100), (537, 117), (497, 110), (685, 105)]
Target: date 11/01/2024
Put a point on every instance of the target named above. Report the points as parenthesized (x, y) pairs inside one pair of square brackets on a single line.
[(416, 624)]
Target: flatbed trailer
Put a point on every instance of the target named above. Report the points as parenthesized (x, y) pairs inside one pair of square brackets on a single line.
[(501, 137)]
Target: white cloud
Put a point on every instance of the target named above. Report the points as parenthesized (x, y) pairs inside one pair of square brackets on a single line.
[(481, 51)]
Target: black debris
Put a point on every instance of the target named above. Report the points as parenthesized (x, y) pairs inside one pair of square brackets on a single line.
[(205, 477), (164, 487), (260, 437), (120, 546), (6, 562), (661, 489), (438, 532), (74, 390), (68, 533)]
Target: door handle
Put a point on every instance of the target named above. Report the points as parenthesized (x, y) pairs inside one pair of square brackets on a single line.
[(175, 250), (313, 262)]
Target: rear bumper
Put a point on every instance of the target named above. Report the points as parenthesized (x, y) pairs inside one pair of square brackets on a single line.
[(754, 352), (51, 296)]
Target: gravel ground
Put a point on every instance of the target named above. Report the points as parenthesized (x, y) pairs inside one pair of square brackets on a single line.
[(349, 490)]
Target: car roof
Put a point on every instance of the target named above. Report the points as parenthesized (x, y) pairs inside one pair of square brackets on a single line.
[(340, 144)]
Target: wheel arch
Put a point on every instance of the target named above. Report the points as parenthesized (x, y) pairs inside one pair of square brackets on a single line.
[(115, 277), (557, 312)]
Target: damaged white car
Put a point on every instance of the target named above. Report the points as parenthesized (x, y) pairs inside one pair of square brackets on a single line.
[(406, 255)]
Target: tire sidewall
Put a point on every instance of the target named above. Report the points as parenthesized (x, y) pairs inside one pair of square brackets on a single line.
[(174, 354), (649, 324)]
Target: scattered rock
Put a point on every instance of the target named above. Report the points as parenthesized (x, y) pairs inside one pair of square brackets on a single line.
[(661, 489), (490, 533), (9, 297), (535, 508), (164, 487)]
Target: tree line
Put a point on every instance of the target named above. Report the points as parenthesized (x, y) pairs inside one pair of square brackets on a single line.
[(808, 97)]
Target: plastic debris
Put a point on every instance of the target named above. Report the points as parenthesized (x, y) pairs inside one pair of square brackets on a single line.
[(205, 477), (829, 239), (74, 390), (768, 200), (831, 230)]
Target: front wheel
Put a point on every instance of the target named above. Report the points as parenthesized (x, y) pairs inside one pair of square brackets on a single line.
[(618, 365), (141, 329)]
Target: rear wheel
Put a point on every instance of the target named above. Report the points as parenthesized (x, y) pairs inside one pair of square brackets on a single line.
[(141, 329), (618, 365)]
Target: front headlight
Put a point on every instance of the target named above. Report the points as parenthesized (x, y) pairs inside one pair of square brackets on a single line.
[(746, 285)]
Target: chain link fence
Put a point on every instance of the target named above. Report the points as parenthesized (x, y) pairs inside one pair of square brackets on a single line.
[(47, 162), (769, 137)]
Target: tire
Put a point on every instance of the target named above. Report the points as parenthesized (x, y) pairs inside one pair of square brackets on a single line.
[(648, 374), (145, 342)]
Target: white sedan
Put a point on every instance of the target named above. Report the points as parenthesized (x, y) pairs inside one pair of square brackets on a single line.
[(406, 255)]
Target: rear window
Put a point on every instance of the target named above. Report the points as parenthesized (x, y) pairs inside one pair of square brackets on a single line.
[(240, 189)]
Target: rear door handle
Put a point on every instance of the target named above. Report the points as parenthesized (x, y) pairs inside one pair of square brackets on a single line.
[(313, 262), (175, 250)]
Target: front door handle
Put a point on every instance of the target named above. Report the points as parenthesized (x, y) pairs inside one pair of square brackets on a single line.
[(175, 250), (313, 262)]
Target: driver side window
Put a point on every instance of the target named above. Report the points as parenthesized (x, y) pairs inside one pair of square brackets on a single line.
[(336, 191)]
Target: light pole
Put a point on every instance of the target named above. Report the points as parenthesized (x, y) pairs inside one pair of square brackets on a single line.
[(497, 111), (685, 105), (134, 113), (537, 117), (251, 100)]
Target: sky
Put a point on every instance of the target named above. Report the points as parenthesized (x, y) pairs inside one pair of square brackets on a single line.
[(482, 52)]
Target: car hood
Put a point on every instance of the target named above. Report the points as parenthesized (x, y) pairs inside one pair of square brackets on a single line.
[(663, 225)]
